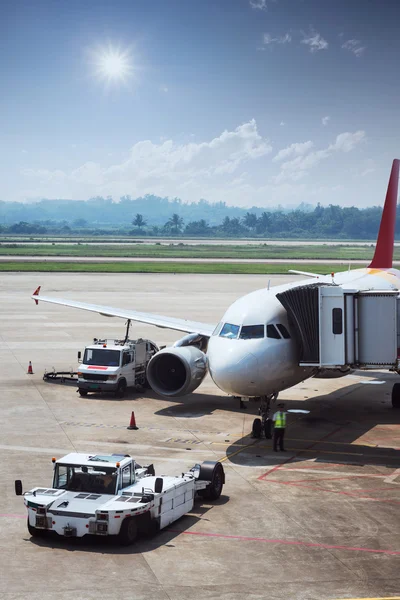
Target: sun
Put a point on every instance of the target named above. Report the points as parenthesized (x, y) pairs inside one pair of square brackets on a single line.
[(112, 64)]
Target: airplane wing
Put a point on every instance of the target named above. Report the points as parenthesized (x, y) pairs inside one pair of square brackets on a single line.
[(205, 329), (317, 275)]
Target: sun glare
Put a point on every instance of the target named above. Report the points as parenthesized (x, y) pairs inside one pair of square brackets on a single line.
[(113, 65)]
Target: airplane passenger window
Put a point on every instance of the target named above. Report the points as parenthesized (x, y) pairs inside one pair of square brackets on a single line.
[(272, 332), (284, 332), (250, 332), (229, 331), (217, 329)]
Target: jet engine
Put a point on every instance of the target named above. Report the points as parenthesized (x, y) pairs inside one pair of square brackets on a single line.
[(177, 371)]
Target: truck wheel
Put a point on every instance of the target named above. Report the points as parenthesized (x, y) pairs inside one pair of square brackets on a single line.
[(214, 473), (121, 389), (257, 428), (82, 392), (128, 532), (396, 395), (33, 531)]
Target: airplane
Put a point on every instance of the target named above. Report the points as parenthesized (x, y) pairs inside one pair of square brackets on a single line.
[(253, 351)]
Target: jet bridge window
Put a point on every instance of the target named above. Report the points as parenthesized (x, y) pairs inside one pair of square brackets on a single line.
[(229, 331), (283, 331), (272, 332), (251, 332), (337, 321)]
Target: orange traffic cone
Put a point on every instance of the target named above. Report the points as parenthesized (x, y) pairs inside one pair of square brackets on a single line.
[(30, 370), (132, 424)]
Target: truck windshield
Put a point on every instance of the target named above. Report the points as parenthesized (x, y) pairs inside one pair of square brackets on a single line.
[(102, 357), (77, 478)]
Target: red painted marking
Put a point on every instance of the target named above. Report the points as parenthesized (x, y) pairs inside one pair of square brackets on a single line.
[(13, 516), (383, 257), (336, 478), (243, 538), (299, 452), (342, 492), (99, 368)]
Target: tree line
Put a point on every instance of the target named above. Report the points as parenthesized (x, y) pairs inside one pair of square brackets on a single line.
[(322, 222)]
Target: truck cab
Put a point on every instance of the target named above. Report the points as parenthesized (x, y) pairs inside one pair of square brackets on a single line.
[(114, 365)]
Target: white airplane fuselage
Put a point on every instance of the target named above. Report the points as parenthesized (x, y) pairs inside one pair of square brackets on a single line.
[(266, 365)]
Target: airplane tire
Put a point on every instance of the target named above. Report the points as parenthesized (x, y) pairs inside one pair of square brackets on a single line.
[(396, 396), (257, 428), (268, 429)]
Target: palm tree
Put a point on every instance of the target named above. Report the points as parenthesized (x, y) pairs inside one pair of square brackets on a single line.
[(139, 221), (175, 223)]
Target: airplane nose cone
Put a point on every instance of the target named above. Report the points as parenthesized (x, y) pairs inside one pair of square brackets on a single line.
[(237, 375)]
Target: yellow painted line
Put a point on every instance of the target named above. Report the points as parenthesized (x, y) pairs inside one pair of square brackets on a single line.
[(227, 457)]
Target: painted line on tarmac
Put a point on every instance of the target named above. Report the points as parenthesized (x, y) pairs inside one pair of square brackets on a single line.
[(243, 538), (393, 477), (376, 598), (13, 516), (145, 428)]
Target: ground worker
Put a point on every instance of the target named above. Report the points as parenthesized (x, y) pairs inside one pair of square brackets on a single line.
[(279, 420)]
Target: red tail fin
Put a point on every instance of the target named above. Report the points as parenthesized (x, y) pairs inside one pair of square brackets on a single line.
[(383, 257)]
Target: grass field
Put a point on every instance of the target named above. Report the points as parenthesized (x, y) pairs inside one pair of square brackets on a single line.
[(323, 252), (178, 267)]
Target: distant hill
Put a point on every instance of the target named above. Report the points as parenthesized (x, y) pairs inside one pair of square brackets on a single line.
[(102, 212)]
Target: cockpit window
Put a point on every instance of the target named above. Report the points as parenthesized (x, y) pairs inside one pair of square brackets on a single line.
[(217, 329), (284, 332), (250, 332), (229, 331), (272, 332)]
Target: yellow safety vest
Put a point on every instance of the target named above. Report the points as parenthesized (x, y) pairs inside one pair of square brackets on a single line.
[(280, 421)]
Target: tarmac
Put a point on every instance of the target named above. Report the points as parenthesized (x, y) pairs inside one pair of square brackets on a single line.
[(319, 522)]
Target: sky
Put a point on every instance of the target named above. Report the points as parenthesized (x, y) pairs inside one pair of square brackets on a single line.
[(250, 102)]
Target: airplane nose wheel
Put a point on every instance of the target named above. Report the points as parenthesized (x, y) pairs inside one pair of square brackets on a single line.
[(263, 425)]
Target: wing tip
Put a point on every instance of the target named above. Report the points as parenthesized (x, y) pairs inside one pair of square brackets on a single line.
[(36, 293)]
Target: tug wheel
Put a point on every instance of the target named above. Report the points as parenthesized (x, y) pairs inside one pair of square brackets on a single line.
[(82, 392), (33, 531), (214, 473), (128, 532)]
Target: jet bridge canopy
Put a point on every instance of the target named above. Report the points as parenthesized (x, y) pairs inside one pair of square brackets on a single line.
[(336, 327)]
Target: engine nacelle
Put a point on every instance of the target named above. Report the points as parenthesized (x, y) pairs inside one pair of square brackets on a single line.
[(177, 371)]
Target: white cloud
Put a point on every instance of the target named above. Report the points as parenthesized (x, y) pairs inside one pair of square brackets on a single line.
[(259, 4), (325, 120), (354, 46), (163, 88), (315, 41), (282, 123), (296, 149), (268, 39), (166, 168), (298, 168)]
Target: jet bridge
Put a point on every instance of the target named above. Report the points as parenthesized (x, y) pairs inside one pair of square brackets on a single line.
[(338, 327)]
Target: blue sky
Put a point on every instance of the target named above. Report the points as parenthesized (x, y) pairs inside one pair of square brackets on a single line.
[(253, 102)]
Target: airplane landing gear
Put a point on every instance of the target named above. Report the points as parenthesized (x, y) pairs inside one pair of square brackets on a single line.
[(396, 395), (264, 424)]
